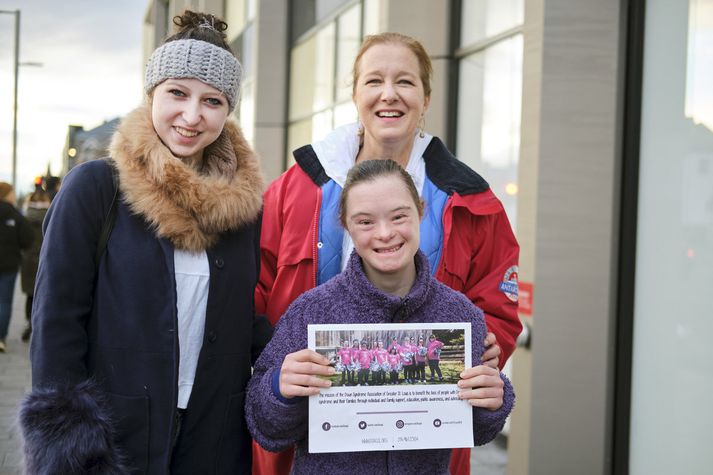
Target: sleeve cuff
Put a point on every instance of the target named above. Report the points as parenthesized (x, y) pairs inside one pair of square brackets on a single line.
[(276, 389)]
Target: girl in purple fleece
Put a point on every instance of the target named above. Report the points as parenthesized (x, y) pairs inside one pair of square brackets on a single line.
[(387, 280)]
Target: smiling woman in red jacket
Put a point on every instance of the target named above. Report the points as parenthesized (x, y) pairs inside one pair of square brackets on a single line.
[(465, 233)]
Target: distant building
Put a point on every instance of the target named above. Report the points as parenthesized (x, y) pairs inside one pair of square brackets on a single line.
[(84, 145)]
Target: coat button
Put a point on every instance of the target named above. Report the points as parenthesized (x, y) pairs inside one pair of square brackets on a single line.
[(319, 245), (212, 336), (219, 263)]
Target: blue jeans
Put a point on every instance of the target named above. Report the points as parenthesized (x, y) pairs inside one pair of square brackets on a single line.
[(7, 290)]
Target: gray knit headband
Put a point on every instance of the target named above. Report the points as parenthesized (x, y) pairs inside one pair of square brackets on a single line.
[(195, 59)]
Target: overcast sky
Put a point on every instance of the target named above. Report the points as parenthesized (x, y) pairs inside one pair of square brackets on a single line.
[(92, 65)]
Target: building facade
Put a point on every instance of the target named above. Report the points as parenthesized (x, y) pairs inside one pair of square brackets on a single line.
[(85, 145), (593, 123)]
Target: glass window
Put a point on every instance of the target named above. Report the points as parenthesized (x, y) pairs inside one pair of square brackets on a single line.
[(699, 93), (302, 79), (489, 103), (247, 110), (324, 68), (312, 74), (484, 18), (251, 9), (348, 42), (299, 134), (235, 17), (308, 13), (321, 125), (372, 17), (344, 113), (672, 359), (247, 52), (320, 77), (324, 8)]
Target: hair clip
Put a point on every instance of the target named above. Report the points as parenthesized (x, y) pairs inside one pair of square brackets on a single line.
[(208, 24)]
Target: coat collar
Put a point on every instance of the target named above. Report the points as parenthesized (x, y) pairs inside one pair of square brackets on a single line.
[(338, 150), (396, 309), (188, 208)]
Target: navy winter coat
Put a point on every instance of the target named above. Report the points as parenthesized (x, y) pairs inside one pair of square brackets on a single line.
[(105, 344)]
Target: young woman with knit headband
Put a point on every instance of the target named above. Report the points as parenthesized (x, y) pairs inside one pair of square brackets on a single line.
[(141, 351)]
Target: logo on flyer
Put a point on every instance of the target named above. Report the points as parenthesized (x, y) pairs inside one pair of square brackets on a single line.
[(509, 284)]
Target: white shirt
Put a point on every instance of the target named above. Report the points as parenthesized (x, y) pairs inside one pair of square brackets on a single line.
[(192, 279)]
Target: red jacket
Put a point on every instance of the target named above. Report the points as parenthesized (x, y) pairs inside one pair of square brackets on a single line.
[(476, 252), (479, 254)]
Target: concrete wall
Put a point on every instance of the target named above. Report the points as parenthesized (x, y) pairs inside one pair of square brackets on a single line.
[(271, 85), (519, 437), (569, 167)]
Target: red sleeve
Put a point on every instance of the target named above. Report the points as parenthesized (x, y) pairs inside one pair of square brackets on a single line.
[(287, 245), (481, 261), (270, 235), (494, 262)]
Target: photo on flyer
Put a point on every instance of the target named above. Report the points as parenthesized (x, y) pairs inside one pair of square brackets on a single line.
[(394, 387)]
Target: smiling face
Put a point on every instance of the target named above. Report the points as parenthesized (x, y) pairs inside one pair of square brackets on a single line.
[(389, 94), (383, 221), (188, 115)]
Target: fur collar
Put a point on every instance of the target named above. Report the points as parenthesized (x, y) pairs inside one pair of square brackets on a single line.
[(187, 207)]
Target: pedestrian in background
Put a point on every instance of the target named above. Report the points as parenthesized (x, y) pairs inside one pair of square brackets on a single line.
[(15, 235), (465, 234), (141, 352), (35, 210)]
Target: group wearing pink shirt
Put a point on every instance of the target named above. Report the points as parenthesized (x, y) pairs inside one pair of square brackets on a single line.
[(359, 362)]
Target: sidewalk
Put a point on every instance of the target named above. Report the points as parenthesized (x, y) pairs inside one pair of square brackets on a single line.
[(14, 382)]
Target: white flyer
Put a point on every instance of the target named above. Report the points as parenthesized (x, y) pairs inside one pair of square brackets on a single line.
[(394, 389)]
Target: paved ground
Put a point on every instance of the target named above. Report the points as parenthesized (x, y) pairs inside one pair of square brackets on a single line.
[(14, 382), (490, 459)]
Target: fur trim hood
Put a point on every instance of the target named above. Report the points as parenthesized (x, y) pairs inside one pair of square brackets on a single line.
[(187, 207)]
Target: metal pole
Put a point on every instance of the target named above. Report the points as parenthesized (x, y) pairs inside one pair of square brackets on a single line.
[(14, 108)]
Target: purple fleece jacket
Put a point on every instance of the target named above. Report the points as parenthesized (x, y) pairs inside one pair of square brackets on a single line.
[(350, 297)]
